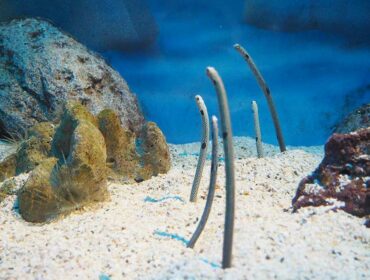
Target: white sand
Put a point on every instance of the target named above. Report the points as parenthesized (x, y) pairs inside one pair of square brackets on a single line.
[(118, 239)]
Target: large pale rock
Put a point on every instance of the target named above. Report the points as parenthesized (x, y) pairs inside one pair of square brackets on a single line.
[(41, 68), (113, 24), (346, 17)]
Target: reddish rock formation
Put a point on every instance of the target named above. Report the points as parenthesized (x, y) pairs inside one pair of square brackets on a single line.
[(344, 174)]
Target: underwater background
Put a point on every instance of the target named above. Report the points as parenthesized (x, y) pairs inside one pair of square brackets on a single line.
[(314, 55)]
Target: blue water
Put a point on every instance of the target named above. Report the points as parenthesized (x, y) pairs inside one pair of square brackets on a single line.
[(315, 78)]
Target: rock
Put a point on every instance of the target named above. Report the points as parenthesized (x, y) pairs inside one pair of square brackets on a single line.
[(8, 167), (155, 154), (344, 17), (36, 148), (102, 25), (344, 175), (360, 118), (41, 68), (29, 153), (77, 176), (80, 147), (74, 114), (38, 201), (122, 158), (83, 177)]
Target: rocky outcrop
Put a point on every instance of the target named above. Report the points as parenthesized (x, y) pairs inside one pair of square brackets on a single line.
[(360, 118), (41, 68), (113, 24), (70, 164), (76, 174), (344, 175)]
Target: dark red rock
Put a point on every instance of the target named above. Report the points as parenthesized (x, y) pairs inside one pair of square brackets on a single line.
[(343, 174)]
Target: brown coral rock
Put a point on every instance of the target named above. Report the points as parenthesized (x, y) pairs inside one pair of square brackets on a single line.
[(8, 167), (74, 113), (155, 152), (122, 158), (343, 175), (83, 177), (38, 201)]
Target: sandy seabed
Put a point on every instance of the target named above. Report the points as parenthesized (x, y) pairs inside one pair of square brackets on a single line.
[(141, 232)]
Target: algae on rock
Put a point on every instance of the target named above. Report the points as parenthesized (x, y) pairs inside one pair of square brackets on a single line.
[(8, 167), (38, 201), (122, 158), (154, 151)]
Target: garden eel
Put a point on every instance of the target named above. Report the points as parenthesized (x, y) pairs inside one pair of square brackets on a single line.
[(266, 92), (257, 129), (203, 148), (212, 184), (229, 165)]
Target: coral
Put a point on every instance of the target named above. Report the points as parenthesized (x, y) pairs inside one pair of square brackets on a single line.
[(76, 176), (266, 91), (229, 165), (83, 176), (74, 113), (122, 158), (257, 129), (212, 185), (33, 151), (38, 201), (203, 148), (8, 167), (154, 152), (343, 174)]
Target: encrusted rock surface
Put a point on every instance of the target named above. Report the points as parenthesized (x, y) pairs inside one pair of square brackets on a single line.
[(41, 68), (344, 175), (36, 148), (8, 167), (83, 178), (38, 201), (155, 152), (70, 164), (359, 118), (122, 158)]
